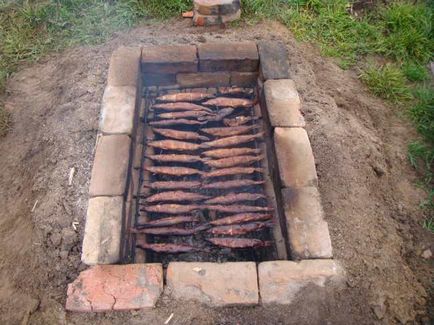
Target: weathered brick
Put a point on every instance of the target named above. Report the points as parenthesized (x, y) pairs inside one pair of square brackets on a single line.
[(206, 20), (243, 79), (124, 67), (102, 233), (169, 59), (283, 103), (240, 56), (159, 79), (215, 284), (118, 110), (109, 172), (280, 281), (274, 62), (116, 287), (216, 7), (294, 157), (203, 79), (308, 233)]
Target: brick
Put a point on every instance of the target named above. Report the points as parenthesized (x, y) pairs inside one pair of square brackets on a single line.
[(283, 103), (206, 20), (158, 79), (294, 157), (274, 62), (116, 287), (169, 59), (216, 7), (215, 284), (137, 160), (280, 281), (102, 233), (203, 79), (243, 79), (229, 17), (240, 56), (308, 233), (118, 110), (109, 172), (124, 67)]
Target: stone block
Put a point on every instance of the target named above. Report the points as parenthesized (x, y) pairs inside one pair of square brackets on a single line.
[(116, 287), (214, 284), (274, 62), (240, 56), (110, 166), (308, 233), (227, 18), (118, 110), (206, 20), (280, 281), (243, 79), (103, 230), (283, 103), (294, 157), (203, 79), (216, 7), (169, 59), (124, 67)]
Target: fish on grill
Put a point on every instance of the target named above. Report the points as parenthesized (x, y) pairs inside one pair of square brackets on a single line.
[(232, 171), (239, 120), (174, 158), (180, 106), (178, 196), (171, 208), (235, 230), (238, 208), (229, 102), (233, 161), (184, 114), (172, 185), (223, 153), (166, 231), (229, 131), (232, 184), (169, 221), (221, 114), (232, 141), (239, 242), (180, 121), (241, 218), (235, 91), (174, 145), (168, 248), (174, 171), (180, 135), (235, 197), (185, 97)]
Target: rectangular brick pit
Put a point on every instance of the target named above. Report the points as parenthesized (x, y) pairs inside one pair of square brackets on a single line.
[(116, 167)]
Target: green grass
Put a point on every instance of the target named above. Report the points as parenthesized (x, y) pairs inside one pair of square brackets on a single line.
[(428, 224)]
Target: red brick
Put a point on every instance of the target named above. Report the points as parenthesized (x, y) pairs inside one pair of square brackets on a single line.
[(116, 287), (205, 20), (294, 157), (243, 79), (124, 67), (110, 166), (215, 284), (203, 79), (169, 59), (240, 56)]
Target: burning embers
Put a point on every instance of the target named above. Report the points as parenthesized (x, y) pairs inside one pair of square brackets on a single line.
[(203, 177)]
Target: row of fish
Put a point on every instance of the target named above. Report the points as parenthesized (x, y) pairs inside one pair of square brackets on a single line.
[(218, 148)]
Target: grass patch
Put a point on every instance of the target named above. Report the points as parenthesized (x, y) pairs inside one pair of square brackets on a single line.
[(428, 224), (5, 121)]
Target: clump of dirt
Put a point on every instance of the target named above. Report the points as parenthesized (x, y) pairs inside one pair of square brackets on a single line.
[(367, 186)]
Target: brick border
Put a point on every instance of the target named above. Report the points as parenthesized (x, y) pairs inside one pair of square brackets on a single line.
[(113, 185)]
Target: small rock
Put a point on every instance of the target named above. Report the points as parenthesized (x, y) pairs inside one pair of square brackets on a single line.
[(69, 238), (56, 239), (427, 254), (379, 311), (379, 171)]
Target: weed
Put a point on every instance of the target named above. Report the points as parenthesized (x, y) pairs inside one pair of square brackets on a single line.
[(387, 82), (415, 72), (428, 224), (5, 121)]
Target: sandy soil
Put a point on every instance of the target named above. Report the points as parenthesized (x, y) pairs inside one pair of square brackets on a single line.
[(366, 182)]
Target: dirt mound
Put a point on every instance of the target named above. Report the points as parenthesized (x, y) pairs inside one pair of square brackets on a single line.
[(367, 186)]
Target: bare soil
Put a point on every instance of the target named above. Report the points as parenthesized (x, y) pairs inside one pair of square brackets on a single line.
[(367, 185)]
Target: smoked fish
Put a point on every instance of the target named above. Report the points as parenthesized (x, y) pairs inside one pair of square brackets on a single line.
[(171, 208), (180, 106), (178, 196), (232, 141), (169, 221), (232, 171), (223, 153), (239, 242), (180, 135), (229, 131), (235, 197), (241, 218), (235, 230), (174, 158), (232, 184), (185, 97), (172, 185), (233, 161), (174, 145), (229, 102), (174, 171)]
